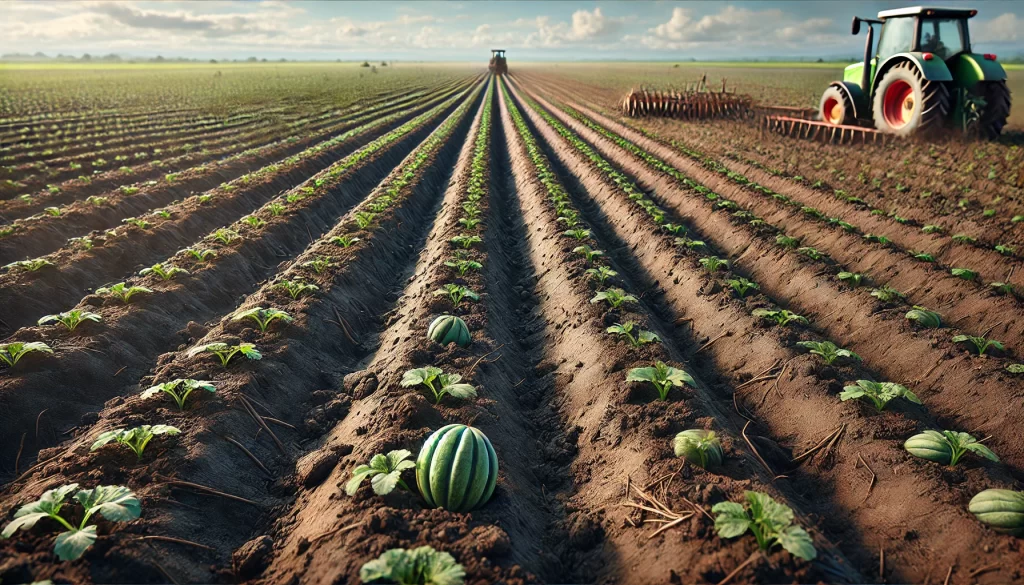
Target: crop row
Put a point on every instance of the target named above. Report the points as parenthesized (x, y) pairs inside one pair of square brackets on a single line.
[(740, 345), (197, 282), (284, 367), (103, 212)]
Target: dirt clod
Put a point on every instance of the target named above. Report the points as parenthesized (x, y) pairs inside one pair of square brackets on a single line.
[(252, 557)]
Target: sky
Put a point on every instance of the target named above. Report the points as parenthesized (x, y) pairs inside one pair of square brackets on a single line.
[(465, 31)]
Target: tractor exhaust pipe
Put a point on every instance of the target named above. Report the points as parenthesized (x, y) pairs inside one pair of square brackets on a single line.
[(865, 76)]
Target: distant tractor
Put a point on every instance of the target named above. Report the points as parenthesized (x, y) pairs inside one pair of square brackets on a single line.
[(498, 66), (922, 76)]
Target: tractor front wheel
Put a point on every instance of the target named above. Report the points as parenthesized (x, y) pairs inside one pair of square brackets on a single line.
[(836, 107), (996, 109), (906, 103)]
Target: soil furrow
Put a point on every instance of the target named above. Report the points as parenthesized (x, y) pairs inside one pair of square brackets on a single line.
[(308, 355), (804, 409), (75, 270), (133, 336), (926, 359), (973, 309), (47, 232), (615, 425)]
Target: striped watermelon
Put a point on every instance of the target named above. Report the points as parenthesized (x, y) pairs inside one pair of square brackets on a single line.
[(449, 329), (457, 468)]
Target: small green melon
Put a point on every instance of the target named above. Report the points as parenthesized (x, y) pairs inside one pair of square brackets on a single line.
[(449, 329)]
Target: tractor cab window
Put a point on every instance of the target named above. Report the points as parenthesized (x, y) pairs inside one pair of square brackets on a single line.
[(942, 36), (897, 37)]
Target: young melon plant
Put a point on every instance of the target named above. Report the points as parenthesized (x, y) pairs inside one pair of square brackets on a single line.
[(633, 334), (319, 264), (418, 566), (1001, 288), (179, 389), (780, 316), (200, 254), (163, 270), (225, 352), (946, 447), (615, 297), (456, 293), (115, 503), (588, 253), (852, 278), (33, 265), (714, 263), (465, 241), (463, 265), (384, 473), (344, 241), (71, 319), (136, 438), (770, 522), (980, 343), (263, 317), (742, 286), (600, 274), (579, 234), (439, 383), (699, 447), (225, 236), (662, 376), (122, 291), (787, 242), (296, 287), (964, 273), (11, 353), (924, 317), (828, 351), (878, 393), (887, 294)]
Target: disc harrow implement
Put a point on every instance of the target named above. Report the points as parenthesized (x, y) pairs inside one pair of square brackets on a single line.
[(696, 103)]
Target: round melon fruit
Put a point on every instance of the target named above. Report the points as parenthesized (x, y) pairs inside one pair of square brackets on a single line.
[(930, 445), (457, 468), (449, 329), (1003, 510)]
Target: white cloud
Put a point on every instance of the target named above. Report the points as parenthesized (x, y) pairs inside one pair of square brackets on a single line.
[(1005, 28), (737, 26)]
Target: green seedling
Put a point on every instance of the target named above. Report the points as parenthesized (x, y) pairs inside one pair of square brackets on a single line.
[(787, 241), (964, 239), (115, 503), (384, 473), (456, 293), (469, 222), (854, 279), (276, 208), (887, 294), (964, 273), (135, 439), (463, 265), (11, 352), (812, 253), (878, 393), (225, 236), (980, 343), (588, 253), (179, 389), (344, 241), (579, 234), (770, 522), (932, 229), (1001, 288), (439, 383), (137, 222), (53, 211), (662, 376), (714, 263), (200, 254), (254, 221), (780, 316), (71, 319), (742, 286), (465, 241), (33, 265), (828, 351), (615, 297), (296, 287), (600, 273), (263, 317), (877, 238), (633, 334), (319, 264), (946, 447), (163, 270), (122, 291), (364, 219), (1005, 250), (225, 352), (689, 243), (924, 257), (418, 566)]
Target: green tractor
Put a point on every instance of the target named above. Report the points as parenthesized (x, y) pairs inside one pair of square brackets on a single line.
[(922, 77)]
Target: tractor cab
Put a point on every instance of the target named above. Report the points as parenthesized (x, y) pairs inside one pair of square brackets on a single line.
[(498, 65), (922, 75)]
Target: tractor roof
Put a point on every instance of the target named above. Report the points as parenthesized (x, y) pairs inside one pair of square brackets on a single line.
[(928, 11)]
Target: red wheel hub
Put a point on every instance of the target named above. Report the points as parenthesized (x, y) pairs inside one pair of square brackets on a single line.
[(898, 105), (832, 111)]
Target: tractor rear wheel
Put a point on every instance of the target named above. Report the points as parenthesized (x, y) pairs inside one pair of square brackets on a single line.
[(836, 107), (906, 103), (996, 110)]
